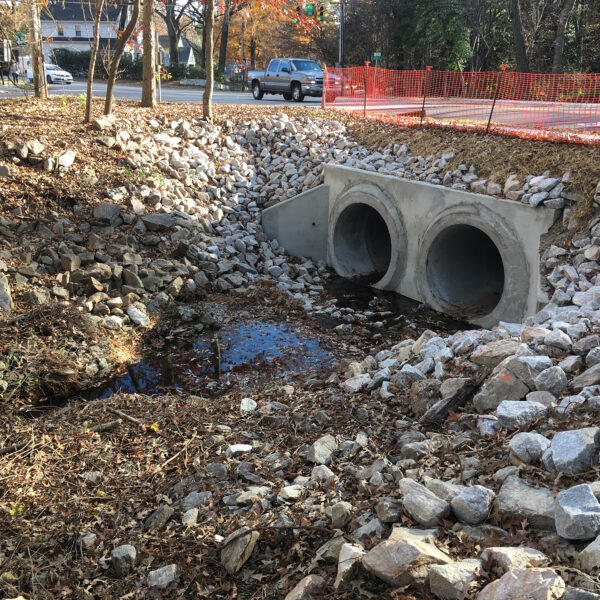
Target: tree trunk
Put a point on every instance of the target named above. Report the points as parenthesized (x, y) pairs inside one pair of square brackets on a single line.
[(174, 37), (114, 65), (252, 52), (35, 43), (149, 44), (224, 36), (518, 39), (93, 54), (208, 64), (559, 41)]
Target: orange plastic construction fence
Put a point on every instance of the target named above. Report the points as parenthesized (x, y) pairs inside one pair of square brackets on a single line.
[(553, 107)]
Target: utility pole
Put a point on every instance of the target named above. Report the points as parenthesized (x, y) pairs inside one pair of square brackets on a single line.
[(341, 36), (242, 44)]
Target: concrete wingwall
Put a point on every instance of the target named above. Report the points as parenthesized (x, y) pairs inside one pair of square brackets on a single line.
[(464, 254)]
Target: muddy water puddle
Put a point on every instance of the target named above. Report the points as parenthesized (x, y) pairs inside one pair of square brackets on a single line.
[(241, 353)]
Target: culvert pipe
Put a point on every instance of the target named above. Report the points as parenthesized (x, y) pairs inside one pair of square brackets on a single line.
[(464, 254)]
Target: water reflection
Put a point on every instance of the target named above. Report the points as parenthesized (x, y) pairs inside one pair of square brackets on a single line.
[(241, 353)]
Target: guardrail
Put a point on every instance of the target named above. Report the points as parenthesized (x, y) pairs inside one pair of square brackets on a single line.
[(563, 108)]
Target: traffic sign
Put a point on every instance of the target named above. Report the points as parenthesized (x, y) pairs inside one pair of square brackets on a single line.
[(376, 56)]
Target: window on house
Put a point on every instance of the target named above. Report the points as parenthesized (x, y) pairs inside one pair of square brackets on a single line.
[(61, 31), (77, 31)]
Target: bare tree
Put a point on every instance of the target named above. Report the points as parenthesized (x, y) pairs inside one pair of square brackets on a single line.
[(35, 43), (209, 59), (149, 42), (518, 37), (93, 55), (559, 42), (116, 59)]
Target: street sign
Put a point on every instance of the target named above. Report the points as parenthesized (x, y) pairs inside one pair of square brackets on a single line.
[(309, 10), (376, 56)]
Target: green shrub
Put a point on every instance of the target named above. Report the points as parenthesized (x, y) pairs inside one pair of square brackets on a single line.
[(178, 71), (196, 72)]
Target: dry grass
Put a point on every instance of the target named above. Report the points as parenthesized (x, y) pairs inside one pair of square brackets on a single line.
[(494, 156)]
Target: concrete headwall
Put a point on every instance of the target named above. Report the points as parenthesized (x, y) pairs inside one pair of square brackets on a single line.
[(465, 254)]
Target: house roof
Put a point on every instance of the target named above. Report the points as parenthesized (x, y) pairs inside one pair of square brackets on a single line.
[(163, 42), (72, 10), (184, 54)]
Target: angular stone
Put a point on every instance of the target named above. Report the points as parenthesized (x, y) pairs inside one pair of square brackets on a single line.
[(517, 499), (356, 383), (528, 447), (158, 519), (330, 550), (388, 510), (516, 414), (421, 504), (158, 222), (443, 489), (577, 513), (322, 450), (558, 339), (572, 593), (503, 559), (575, 450), (404, 558), (517, 584), (122, 559), (589, 377), (341, 514), (551, 380), (105, 211), (500, 386), (589, 557), (137, 316), (494, 353), (164, 576), (348, 561), (308, 588), (237, 549), (6, 302), (473, 504), (452, 581)]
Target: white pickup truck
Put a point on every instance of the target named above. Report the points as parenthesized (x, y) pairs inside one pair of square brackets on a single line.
[(295, 78)]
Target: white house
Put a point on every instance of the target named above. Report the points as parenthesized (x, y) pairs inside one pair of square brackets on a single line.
[(186, 52), (70, 25)]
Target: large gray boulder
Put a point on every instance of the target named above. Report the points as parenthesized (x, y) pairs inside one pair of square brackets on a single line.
[(518, 584), (516, 499), (516, 414), (528, 447), (421, 504), (405, 557), (575, 450), (473, 504), (452, 581), (577, 513), (123, 559)]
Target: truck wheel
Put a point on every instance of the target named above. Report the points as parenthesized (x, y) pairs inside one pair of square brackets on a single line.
[(256, 91), (297, 95), (287, 96), (48, 79)]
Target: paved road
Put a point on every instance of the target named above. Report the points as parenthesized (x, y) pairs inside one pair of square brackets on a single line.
[(169, 94), (508, 113)]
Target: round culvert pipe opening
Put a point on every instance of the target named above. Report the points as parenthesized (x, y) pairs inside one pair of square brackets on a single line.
[(465, 271), (362, 242)]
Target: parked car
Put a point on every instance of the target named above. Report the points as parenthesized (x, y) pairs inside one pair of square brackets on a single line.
[(53, 74), (295, 78)]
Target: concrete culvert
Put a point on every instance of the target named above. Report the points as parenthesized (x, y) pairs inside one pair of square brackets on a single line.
[(362, 242), (465, 272)]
